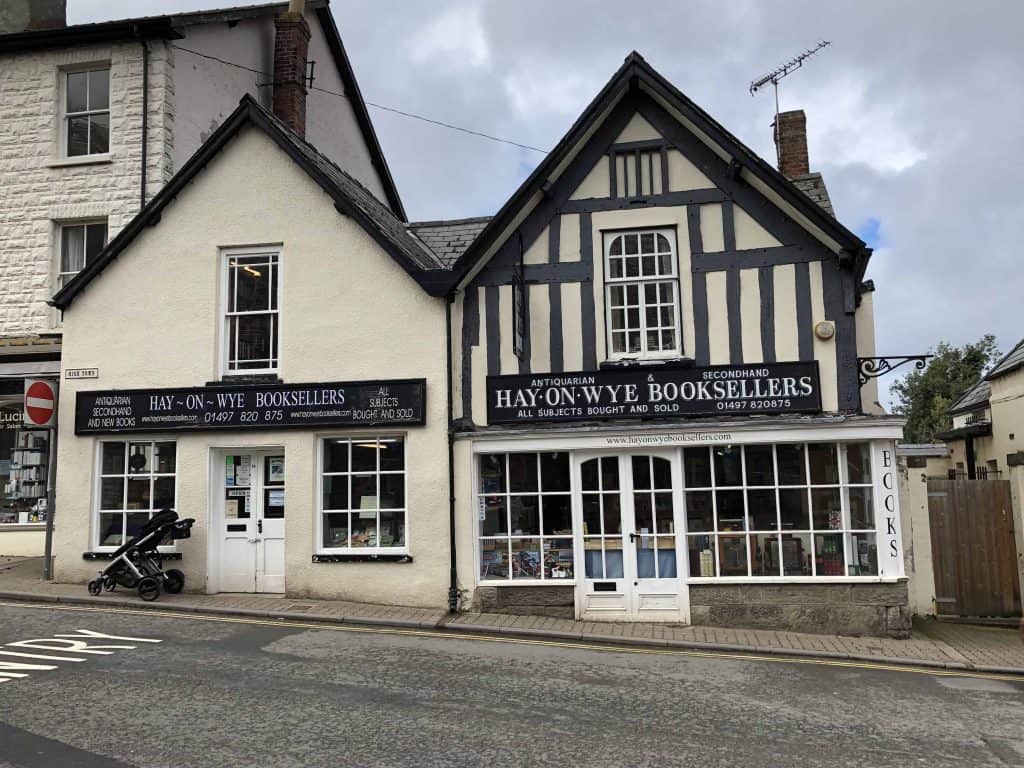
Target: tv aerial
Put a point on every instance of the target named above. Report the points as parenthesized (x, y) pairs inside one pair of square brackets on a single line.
[(778, 73)]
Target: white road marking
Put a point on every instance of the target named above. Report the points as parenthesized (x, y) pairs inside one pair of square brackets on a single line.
[(74, 643)]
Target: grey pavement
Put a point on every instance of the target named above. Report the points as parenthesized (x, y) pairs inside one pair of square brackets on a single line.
[(934, 643), (248, 692)]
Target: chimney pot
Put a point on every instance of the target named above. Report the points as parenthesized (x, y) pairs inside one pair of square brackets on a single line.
[(791, 141), (291, 48)]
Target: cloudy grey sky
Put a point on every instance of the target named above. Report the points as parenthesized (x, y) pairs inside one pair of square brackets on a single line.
[(914, 117)]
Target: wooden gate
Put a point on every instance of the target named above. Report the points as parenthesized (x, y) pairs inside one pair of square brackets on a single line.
[(973, 550)]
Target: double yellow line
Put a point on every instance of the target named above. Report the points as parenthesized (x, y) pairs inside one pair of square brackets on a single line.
[(483, 638)]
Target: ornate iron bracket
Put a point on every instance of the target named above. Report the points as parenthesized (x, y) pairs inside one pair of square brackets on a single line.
[(872, 367)]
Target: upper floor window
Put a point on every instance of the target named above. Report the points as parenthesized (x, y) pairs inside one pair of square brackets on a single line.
[(86, 112), (251, 312), (80, 243), (642, 294)]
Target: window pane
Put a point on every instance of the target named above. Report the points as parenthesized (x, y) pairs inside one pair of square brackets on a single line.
[(525, 514), (163, 493), (699, 511), (761, 509), (643, 513), (824, 463), (796, 554), (610, 473), (99, 134), (139, 493), (166, 458), (72, 248), (522, 472), (526, 559), (792, 469), (613, 567), (732, 555), (765, 557), (111, 529), (495, 521), (392, 491), (730, 510), (557, 514), (364, 492), (862, 510), (702, 556), (364, 456), (647, 242), (828, 515), (336, 530), (697, 467), (728, 467), (828, 555), (392, 455), (335, 492), (135, 523), (616, 247), (641, 472), (336, 456), (858, 462), (112, 493), (78, 136), (662, 474), (254, 345), (589, 480), (392, 529), (77, 82), (664, 517), (793, 508), (364, 529), (760, 467), (492, 473), (863, 554), (558, 559), (99, 89), (113, 459), (140, 458), (252, 285), (612, 515), (554, 471), (494, 559), (591, 514)]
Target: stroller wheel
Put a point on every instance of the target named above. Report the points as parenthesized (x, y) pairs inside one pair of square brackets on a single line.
[(109, 584), (174, 581), (149, 588), (95, 586)]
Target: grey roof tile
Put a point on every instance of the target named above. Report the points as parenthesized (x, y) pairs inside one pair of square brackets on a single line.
[(449, 239), (813, 186), (973, 398), (1012, 361)]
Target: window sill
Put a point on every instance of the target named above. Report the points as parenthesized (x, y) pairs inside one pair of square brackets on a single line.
[(673, 361), (110, 555), (68, 162), (380, 557), (721, 580), (4, 527), (527, 583), (233, 379)]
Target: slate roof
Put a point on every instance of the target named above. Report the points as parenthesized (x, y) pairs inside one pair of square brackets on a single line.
[(350, 198), (449, 239), (1012, 361), (975, 397), (813, 186)]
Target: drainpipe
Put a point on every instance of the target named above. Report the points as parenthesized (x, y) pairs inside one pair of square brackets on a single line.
[(453, 583), (145, 120)]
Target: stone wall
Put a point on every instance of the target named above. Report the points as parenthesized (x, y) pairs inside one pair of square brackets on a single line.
[(533, 601), (40, 189), (844, 609)]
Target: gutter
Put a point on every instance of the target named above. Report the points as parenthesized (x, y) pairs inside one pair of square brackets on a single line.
[(453, 582)]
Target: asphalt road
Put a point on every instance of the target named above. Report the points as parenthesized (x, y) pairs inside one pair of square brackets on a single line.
[(241, 693)]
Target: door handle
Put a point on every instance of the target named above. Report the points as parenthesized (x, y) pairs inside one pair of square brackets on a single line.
[(259, 526), (632, 537), (253, 541)]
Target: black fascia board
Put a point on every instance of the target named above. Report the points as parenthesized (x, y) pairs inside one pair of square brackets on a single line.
[(87, 34), (355, 97)]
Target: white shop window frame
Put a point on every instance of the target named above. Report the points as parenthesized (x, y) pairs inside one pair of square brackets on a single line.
[(223, 334), (62, 111), (318, 528), (97, 485), (877, 446), (607, 237)]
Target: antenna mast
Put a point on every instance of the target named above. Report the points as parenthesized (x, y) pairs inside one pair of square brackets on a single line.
[(777, 74)]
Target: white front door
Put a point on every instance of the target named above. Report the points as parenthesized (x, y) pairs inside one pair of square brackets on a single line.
[(252, 521), (630, 518)]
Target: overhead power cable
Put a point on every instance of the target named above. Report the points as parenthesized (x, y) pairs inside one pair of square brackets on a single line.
[(383, 107)]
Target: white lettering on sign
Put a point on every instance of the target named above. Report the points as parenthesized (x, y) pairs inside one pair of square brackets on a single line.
[(80, 643), (81, 373)]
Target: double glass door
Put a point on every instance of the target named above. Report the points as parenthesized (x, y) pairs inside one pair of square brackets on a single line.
[(252, 521), (631, 513)]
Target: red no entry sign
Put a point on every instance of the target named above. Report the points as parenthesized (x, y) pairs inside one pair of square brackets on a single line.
[(40, 403)]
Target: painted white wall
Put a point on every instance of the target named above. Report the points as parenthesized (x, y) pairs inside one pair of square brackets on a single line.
[(349, 313), (22, 541)]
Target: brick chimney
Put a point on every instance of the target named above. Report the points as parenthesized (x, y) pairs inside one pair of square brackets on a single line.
[(791, 142), (32, 15), (291, 46)]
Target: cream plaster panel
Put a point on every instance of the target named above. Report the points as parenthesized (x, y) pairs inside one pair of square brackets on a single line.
[(684, 175), (466, 515), (159, 300), (572, 330), (750, 234), (509, 361), (458, 312), (787, 346), (645, 176), (537, 253), (540, 329), (718, 319), (824, 351), (637, 129), (712, 234), (864, 319), (1007, 404), (596, 184), (674, 217), (478, 364), (750, 316), (24, 543), (569, 239), (628, 176)]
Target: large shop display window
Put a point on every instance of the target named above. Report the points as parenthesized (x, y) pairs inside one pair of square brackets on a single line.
[(137, 478), (24, 457), (363, 495), (755, 511)]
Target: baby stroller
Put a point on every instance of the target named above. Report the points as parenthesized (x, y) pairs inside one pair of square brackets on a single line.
[(138, 565)]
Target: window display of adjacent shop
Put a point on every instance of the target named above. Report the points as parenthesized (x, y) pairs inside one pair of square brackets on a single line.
[(24, 460), (766, 511)]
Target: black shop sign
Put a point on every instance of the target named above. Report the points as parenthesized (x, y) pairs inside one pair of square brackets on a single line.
[(252, 406), (640, 392)]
